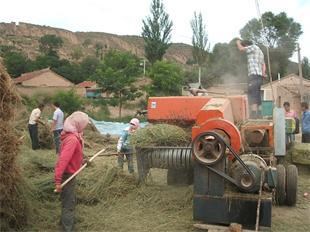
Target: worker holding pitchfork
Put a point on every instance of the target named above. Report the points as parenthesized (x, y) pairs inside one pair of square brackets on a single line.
[(69, 161), (124, 147)]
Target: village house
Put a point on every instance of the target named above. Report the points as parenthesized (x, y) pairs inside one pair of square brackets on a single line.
[(43, 81), (286, 89), (90, 89)]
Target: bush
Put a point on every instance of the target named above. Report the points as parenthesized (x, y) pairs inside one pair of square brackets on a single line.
[(33, 101), (69, 101)]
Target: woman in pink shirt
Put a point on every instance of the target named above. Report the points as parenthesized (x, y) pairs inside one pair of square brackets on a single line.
[(69, 161), (290, 137)]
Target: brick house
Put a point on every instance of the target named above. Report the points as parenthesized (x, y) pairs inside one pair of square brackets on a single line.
[(43, 81), (287, 89)]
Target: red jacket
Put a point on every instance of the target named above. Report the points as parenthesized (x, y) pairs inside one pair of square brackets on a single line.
[(71, 156)]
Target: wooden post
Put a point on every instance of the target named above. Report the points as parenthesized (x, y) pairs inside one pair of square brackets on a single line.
[(301, 86)]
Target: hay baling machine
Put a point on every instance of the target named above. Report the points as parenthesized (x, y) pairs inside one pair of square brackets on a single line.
[(230, 161)]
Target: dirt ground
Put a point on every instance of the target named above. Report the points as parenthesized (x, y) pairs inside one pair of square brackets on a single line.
[(154, 206)]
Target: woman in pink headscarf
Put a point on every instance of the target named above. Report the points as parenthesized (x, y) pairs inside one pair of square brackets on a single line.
[(124, 147), (69, 161)]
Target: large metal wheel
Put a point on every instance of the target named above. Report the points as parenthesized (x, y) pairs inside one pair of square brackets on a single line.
[(281, 185), (243, 178), (208, 148), (291, 185)]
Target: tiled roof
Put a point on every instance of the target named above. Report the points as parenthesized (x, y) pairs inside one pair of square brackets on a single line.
[(30, 75), (86, 84)]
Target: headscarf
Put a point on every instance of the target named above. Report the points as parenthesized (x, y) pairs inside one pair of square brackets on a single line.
[(135, 122), (76, 122)]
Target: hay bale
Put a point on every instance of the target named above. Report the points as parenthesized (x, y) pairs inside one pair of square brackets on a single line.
[(8, 95), (103, 183), (160, 135), (46, 139), (300, 153), (14, 198)]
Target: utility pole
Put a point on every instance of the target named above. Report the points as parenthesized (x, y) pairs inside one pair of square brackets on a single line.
[(143, 67), (199, 75), (301, 86)]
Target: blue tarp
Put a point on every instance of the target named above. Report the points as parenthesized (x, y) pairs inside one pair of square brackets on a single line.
[(112, 128)]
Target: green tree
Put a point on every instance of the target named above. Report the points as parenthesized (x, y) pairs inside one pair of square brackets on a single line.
[(69, 101), (77, 53), (167, 79), (227, 64), (280, 34), (99, 50), (88, 67), (156, 32), (70, 71), (45, 61), (49, 44), (117, 74), (306, 68), (17, 63), (199, 40)]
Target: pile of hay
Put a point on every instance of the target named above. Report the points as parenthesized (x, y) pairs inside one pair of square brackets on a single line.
[(13, 199), (160, 135), (300, 153), (101, 183), (45, 135)]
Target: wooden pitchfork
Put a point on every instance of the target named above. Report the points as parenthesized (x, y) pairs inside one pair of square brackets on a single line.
[(81, 168)]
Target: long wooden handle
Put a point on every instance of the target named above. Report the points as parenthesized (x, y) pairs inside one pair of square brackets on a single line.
[(81, 168)]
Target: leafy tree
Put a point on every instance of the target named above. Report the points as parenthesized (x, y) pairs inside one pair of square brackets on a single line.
[(45, 61), (77, 53), (70, 71), (306, 68), (88, 67), (199, 40), (99, 50), (227, 64), (117, 74), (69, 101), (280, 34), (17, 63), (87, 42), (63, 67), (49, 44), (156, 32), (167, 79)]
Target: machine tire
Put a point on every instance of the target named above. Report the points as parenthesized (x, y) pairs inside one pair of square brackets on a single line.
[(281, 185), (291, 185)]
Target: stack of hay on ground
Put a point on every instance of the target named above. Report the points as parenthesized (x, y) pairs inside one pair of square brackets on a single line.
[(46, 139), (160, 135), (13, 200), (300, 153)]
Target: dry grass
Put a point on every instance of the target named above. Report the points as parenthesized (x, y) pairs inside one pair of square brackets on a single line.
[(160, 135), (14, 199)]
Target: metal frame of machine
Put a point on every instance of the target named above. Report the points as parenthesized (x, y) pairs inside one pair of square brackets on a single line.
[(226, 179)]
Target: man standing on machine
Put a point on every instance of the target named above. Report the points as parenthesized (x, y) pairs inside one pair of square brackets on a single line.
[(256, 72)]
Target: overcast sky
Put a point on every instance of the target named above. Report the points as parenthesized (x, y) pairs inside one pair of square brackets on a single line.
[(223, 18)]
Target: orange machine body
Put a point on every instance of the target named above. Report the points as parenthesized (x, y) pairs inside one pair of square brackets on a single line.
[(187, 108), (204, 113), (179, 108)]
